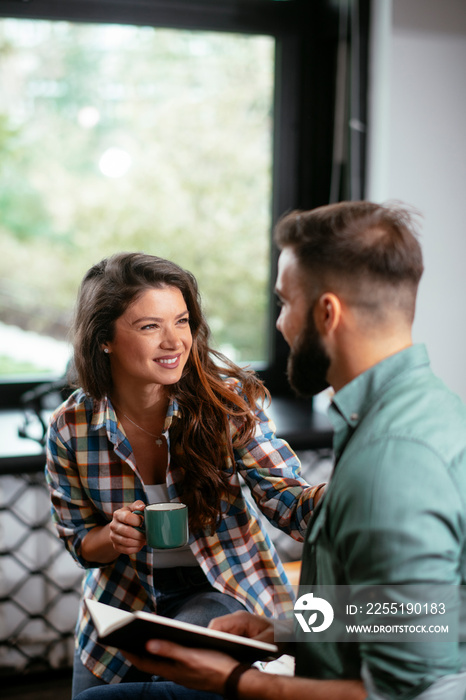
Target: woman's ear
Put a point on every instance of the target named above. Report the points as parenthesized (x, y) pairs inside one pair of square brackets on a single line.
[(327, 313)]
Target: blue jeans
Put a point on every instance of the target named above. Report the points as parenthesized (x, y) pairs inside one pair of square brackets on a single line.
[(183, 593), (146, 691), (83, 678)]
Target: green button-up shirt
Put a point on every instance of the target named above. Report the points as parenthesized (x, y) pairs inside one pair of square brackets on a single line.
[(394, 513)]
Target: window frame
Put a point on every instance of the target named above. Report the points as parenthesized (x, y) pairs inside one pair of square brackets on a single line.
[(306, 36)]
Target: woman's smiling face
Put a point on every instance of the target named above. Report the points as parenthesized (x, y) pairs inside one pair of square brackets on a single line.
[(152, 339)]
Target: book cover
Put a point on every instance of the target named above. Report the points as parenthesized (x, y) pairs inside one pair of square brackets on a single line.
[(129, 631)]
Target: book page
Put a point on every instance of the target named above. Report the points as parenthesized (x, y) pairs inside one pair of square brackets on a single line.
[(107, 618)]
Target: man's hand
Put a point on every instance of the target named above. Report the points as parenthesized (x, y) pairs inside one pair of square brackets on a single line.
[(200, 669), (245, 624)]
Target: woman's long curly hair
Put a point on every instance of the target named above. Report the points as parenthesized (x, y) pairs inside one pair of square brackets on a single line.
[(200, 442)]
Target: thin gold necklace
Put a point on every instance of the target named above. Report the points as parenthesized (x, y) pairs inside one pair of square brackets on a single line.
[(158, 438)]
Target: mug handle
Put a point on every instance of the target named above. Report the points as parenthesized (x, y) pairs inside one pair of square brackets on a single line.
[(141, 527)]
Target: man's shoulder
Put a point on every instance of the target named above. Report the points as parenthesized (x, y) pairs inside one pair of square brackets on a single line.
[(412, 441), (416, 410)]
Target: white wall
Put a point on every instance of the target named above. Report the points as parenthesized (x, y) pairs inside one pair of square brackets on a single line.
[(417, 154)]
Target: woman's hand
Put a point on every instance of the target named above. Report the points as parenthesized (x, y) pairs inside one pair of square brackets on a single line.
[(104, 544), (123, 534)]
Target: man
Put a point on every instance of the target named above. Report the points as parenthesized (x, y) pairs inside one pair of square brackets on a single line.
[(394, 512)]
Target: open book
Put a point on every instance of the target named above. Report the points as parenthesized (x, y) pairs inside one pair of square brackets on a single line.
[(130, 631)]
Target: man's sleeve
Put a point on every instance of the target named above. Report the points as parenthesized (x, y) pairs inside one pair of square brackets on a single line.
[(398, 525)]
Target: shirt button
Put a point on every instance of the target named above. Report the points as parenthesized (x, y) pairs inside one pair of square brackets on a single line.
[(354, 416)]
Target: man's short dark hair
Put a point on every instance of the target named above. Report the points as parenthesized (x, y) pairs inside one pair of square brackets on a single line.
[(369, 252)]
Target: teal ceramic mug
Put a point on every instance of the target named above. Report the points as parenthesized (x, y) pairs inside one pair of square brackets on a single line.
[(165, 525)]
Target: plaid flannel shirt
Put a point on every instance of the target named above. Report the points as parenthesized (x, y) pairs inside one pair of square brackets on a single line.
[(91, 472)]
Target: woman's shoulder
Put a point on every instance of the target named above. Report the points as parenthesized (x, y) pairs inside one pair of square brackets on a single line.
[(78, 407), (233, 383), (236, 386)]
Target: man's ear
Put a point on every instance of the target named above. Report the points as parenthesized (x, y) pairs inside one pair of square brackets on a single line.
[(327, 313)]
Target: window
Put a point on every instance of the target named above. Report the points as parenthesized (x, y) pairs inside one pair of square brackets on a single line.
[(118, 137), (184, 129)]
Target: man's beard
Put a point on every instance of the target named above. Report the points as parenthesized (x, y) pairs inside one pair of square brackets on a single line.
[(308, 361)]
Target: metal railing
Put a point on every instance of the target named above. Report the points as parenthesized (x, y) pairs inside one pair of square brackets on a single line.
[(39, 582)]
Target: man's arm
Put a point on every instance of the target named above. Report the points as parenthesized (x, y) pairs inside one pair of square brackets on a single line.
[(201, 669)]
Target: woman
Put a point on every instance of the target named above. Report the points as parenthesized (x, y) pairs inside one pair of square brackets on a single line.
[(160, 416)]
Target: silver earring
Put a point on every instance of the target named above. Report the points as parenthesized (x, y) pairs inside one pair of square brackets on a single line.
[(106, 350)]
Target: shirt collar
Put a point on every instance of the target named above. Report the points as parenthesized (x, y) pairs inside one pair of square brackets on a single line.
[(354, 400), (104, 416)]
